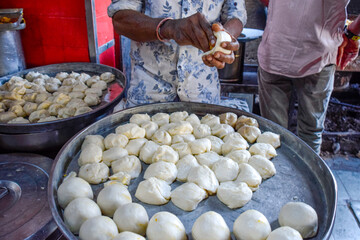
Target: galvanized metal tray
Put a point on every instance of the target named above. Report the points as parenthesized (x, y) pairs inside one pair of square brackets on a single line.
[(52, 135), (301, 174)]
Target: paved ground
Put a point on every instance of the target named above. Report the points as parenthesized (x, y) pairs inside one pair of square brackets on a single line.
[(347, 173)]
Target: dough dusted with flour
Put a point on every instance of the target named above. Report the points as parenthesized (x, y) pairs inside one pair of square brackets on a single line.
[(111, 197), (153, 191), (210, 226), (165, 225), (131, 217), (234, 194), (162, 170), (96, 228), (187, 196), (251, 225)]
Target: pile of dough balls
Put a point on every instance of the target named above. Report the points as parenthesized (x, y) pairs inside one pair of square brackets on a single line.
[(41, 98), (226, 155)]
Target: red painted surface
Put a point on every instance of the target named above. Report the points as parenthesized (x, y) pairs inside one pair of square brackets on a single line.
[(108, 57)]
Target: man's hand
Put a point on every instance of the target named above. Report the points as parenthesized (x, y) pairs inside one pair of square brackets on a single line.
[(218, 59), (347, 52), (194, 30)]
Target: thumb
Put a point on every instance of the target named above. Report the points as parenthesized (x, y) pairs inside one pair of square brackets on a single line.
[(217, 27)]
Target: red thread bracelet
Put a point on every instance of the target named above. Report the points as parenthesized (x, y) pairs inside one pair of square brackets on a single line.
[(158, 28)]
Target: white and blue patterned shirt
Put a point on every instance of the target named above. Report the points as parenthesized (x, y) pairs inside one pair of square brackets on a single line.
[(166, 72)]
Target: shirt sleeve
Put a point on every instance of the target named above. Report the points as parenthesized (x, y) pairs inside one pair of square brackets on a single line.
[(234, 9), (117, 5)]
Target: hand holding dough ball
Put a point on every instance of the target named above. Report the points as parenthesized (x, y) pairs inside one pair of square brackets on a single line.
[(251, 225), (128, 236), (111, 197), (131, 217), (153, 191), (301, 217), (165, 225), (78, 211), (97, 228), (234, 194), (284, 233), (221, 36), (210, 226), (187, 196), (73, 187)]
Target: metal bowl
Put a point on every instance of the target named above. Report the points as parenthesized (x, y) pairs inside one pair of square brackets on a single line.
[(50, 136), (301, 174)]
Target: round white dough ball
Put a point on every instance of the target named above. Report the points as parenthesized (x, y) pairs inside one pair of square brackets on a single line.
[(78, 211), (208, 158), (233, 136), (165, 225), (178, 116), (150, 129), (147, 151), (184, 165), (94, 173), (210, 226), (131, 131), (225, 169), (180, 128), (95, 139), (245, 120), (263, 149), (161, 137), (216, 144), (284, 233), (301, 217), (200, 146), (271, 138), (182, 138), (233, 145), (182, 149), (250, 133), (221, 130), (251, 225), (113, 154), (162, 170), (131, 217), (134, 146), (193, 119), (91, 153), (98, 228), (153, 191), (210, 119), (128, 236), (165, 153), (73, 187), (228, 118), (239, 156), (161, 118), (111, 197), (115, 140), (187, 196), (120, 177), (202, 130), (234, 194), (249, 175), (264, 166), (139, 118), (204, 177), (128, 164)]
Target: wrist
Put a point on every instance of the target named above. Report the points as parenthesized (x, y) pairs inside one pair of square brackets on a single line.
[(161, 34), (166, 29), (350, 35)]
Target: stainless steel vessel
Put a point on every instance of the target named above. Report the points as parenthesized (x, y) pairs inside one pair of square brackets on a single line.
[(50, 136), (301, 174)]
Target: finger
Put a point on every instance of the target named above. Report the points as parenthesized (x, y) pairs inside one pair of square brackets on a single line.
[(216, 27), (216, 63), (206, 62), (206, 27), (227, 58), (233, 46), (200, 37)]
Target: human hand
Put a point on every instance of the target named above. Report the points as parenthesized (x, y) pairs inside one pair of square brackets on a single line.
[(194, 30), (347, 52), (218, 59)]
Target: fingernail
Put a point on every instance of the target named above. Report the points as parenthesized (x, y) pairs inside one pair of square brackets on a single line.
[(223, 45), (212, 42), (216, 55), (209, 58)]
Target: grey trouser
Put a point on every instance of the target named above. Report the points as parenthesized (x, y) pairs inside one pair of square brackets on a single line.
[(313, 94)]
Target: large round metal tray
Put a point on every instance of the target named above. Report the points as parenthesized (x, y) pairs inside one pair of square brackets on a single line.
[(50, 136), (301, 174)]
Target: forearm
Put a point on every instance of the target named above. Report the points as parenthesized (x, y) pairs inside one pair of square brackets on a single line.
[(135, 25), (234, 27), (354, 27)]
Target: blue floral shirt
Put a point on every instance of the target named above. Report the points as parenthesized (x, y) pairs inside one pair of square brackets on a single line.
[(167, 72)]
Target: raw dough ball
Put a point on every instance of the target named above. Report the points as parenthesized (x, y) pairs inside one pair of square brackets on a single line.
[(73, 187), (97, 228), (115, 140), (193, 119), (95, 139), (94, 79), (147, 151), (134, 146), (78, 95), (200, 146), (187, 196), (161, 118), (131, 131), (37, 115), (139, 118), (239, 156), (228, 118), (216, 144), (271, 138), (165, 153), (182, 138), (129, 164), (30, 107), (99, 85), (233, 136), (47, 119), (161, 137), (184, 165), (210, 226), (284, 233), (107, 77), (162, 170), (180, 128), (301, 217), (128, 236), (208, 158), (78, 211), (221, 36), (94, 173), (202, 130), (120, 177), (178, 116), (111, 197), (225, 169), (182, 149), (244, 120), (153, 191), (113, 154), (251, 225), (221, 130), (204, 178), (61, 99), (263, 149), (131, 217), (150, 129), (234, 194), (264, 166), (210, 120), (69, 82), (232, 145), (250, 133), (91, 153), (249, 175), (165, 225)]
